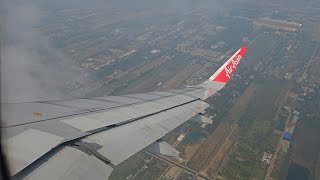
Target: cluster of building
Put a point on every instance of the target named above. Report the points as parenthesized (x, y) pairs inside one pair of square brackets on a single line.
[(278, 24), (266, 158), (288, 134), (291, 126)]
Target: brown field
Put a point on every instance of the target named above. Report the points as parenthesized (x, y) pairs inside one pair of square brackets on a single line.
[(239, 107), (139, 70), (149, 81), (150, 65), (208, 146), (190, 150), (217, 160)]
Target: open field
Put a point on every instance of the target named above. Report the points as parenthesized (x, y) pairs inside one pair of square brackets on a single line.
[(306, 144), (313, 71), (210, 147), (225, 148), (180, 78), (138, 71), (149, 80), (150, 65), (189, 151), (262, 109), (313, 29), (201, 156), (244, 162), (256, 132)]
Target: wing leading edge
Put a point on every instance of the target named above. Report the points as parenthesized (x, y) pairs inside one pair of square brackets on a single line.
[(102, 131)]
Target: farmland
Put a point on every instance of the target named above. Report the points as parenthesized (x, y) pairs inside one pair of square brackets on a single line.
[(256, 126)]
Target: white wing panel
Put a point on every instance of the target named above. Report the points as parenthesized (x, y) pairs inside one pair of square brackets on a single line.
[(120, 99), (139, 110), (120, 143), (71, 164), (144, 96), (87, 104), (84, 123), (15, 114), (162, 93), (197, 106), (21, 152), (117, 116)]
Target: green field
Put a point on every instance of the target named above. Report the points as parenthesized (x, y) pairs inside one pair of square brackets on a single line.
[(256, 137), (244, 162)]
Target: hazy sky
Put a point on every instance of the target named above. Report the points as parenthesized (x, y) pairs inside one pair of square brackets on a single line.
[(26, 72), (31, 69)]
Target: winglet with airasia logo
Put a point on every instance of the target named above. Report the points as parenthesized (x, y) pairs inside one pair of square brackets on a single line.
[(224, 73)]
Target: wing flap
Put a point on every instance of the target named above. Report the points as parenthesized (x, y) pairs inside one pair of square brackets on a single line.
[(22, 151), (71, 163), (162, 147), (201, 119)]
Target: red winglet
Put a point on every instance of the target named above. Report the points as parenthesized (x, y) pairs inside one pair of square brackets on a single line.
[(224, 73)]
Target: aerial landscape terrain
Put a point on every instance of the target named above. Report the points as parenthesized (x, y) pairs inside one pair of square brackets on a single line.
[(265, 122)]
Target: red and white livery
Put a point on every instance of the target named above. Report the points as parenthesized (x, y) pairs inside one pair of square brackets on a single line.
[(224, 73)]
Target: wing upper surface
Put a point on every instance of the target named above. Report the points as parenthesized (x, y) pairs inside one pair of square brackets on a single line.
[(103, 131), (81, 122)]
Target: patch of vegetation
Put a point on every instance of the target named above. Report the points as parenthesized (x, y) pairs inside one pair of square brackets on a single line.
[(284, 166), (281, 123), (244, 162), (313, 122), (256, 134)]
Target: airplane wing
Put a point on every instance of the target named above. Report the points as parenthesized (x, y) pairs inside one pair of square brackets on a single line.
[(86, 138)]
